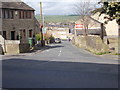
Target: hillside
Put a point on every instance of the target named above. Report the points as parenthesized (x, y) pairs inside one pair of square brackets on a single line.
[(59, 18)]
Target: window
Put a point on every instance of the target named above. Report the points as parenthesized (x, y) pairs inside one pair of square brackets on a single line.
[(0, 13), (4, 34), (7, 14), (30, 15), (25, 14), (23, 33), (11, 14), (0, 32), (30, 33), (3, 14), (21, 14)]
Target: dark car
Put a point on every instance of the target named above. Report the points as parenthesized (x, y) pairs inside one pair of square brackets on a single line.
[(57, 40)]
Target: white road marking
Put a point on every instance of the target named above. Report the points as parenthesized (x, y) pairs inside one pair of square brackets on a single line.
[(47, 50), (60, 52)]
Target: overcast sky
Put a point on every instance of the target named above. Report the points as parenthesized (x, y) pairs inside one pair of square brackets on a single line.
[(54, 7)]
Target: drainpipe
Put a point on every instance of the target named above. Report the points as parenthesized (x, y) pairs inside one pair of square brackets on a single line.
[(5, 46)]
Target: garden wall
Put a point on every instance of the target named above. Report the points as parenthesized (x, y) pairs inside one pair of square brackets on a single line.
[(92, 43)]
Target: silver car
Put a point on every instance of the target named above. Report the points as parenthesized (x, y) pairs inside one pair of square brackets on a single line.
[(57, 40)]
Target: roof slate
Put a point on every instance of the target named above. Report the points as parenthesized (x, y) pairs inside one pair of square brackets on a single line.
[(16, 5)]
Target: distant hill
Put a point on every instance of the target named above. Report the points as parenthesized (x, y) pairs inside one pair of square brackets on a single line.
[(59, 18)]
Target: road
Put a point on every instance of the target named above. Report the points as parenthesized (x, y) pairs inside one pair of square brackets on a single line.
[(61, 66)]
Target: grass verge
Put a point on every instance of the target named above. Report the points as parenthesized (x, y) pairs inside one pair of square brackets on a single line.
[(102, 53)]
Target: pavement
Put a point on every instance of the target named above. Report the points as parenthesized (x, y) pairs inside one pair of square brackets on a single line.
[(60, 66), (35, 51)]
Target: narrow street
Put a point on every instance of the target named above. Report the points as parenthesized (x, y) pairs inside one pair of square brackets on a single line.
[(61, 66)]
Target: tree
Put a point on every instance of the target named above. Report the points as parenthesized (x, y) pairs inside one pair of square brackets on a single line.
[(83, 10), (111, 8)]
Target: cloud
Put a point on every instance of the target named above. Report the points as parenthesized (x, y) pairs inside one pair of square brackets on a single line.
[(54, 7), (57, 8), (58, 0)]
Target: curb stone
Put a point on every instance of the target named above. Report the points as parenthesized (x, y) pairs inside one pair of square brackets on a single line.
[(25, 54)]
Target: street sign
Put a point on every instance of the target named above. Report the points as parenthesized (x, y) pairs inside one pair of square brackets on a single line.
[(44, 30), (79, 26)]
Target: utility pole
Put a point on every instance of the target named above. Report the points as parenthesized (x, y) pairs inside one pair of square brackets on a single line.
[(41, 22), (43, 26), (75, 32)]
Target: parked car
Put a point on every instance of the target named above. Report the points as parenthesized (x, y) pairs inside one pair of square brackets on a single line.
[(57, 40)]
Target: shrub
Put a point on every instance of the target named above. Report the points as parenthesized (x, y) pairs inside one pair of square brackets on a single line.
[(38, 37)]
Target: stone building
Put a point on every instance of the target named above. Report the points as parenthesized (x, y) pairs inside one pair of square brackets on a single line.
[(94, 27), (108, 31), (18, 24), (112, 37), (62, 33), (111, 27), (18, 21)]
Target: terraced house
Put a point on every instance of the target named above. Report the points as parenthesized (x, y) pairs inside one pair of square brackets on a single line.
[(18, 21)]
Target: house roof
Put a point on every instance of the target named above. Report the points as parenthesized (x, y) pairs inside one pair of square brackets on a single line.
[(36, 21), (94, 27), (89, 31), (16, 5)]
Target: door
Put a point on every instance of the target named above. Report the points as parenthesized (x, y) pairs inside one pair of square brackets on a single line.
[(4, 34), (12, 35), (23, 36)]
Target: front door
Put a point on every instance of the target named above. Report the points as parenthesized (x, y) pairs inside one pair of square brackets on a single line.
[(23, 36), (12, 35)]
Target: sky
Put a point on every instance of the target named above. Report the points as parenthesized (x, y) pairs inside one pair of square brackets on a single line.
[(54, 7)]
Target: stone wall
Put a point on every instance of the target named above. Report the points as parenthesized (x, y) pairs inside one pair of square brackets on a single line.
[(1, 50), (1, 44), (24, 47), (91, 43), (113, 43), (16, 25), (12, 47)]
